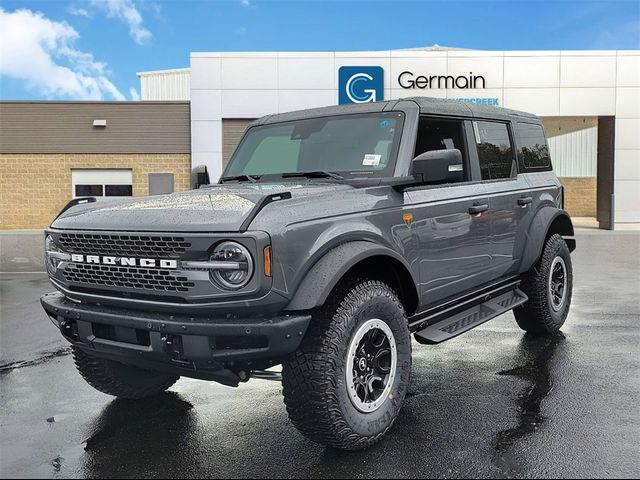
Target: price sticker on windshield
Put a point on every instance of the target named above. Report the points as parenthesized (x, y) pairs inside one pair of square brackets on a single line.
[(371, 159)]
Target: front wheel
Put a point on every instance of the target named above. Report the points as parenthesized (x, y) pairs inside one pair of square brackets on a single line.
[(345, 386), (549, 287)]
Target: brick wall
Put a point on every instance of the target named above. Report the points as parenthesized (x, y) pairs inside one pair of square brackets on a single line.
[(580, 198), (34, 187)]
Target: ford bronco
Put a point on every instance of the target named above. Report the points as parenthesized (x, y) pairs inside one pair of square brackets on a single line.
[(333, 235)]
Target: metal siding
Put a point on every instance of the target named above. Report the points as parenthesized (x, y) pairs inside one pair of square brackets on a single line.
[(232, 131), (575, 154), (67, 127), (573, 145), (166, 85)]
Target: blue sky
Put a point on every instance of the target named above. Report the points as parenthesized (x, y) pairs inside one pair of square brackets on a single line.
[(92, 49)]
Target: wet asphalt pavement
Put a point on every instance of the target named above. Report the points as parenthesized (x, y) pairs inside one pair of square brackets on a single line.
[(492, 403)]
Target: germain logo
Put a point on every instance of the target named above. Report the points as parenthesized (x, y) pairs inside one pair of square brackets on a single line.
[(409, 80), (124, 261), (360, 85)]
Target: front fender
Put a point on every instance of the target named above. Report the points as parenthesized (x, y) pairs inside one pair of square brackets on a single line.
[(328, 270), (533, 240)]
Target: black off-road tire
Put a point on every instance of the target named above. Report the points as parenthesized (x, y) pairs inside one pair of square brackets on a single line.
[(315, 387), (538, 315), (120, 380)]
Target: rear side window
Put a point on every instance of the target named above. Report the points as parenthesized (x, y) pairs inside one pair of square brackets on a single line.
[(495, 152), (533, 153)]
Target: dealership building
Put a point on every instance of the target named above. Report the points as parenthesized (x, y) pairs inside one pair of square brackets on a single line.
[(589, 102)]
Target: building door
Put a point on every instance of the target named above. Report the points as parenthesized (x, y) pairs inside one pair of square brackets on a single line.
[(232, 131), (101, 182)]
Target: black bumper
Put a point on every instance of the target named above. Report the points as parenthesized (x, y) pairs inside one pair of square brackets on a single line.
[(198, 347)]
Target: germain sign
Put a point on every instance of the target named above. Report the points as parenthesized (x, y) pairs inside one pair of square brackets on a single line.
[(409, 80)]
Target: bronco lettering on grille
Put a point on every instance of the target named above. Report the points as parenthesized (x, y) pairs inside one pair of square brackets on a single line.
[(124, 261)]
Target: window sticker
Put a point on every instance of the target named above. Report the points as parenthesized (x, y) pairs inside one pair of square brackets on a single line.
[(371, 159)]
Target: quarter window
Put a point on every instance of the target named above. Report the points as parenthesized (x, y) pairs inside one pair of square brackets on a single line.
[(533, 152), (495, 152)]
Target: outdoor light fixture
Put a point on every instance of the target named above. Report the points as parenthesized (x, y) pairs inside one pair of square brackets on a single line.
[(100, 123)]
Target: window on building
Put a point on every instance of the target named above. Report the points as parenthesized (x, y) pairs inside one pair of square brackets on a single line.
[(495, 152), (99, 182), (533, 153)]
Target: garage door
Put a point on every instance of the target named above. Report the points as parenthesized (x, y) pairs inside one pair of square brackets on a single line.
[(232, 130)]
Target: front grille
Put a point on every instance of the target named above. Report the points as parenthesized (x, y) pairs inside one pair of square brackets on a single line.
[(126, 245), (150, 279)]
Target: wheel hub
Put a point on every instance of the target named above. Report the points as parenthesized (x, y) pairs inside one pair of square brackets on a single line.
[(371, 365), (557, 283)]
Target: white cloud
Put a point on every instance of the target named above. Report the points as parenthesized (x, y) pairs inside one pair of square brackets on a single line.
[(135, 96), (246, 3), (126, 11), (77, 11), (41, 52)]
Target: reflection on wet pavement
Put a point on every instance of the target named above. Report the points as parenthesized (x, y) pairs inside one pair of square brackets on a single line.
[(537, 353)]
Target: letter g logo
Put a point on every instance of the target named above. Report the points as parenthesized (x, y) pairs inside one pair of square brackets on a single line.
[(360, 84)]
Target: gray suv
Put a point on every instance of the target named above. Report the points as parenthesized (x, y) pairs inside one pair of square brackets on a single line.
[(333, 235)]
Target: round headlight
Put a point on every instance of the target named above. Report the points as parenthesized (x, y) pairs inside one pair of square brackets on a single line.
[(234, 265)]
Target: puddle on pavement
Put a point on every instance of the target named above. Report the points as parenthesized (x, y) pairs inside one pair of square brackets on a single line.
[(539, 352)]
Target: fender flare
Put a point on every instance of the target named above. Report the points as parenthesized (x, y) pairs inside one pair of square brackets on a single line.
[(537, 234), (325, 274)]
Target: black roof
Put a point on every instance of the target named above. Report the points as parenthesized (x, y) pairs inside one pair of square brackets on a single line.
[(427, 105)]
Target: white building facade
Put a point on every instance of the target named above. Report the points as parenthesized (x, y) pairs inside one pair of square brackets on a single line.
[(587, 99)]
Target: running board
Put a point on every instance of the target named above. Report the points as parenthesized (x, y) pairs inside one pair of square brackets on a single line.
[(472, 317)]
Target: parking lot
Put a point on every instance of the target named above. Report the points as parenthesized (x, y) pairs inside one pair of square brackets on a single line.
[(492, 403)]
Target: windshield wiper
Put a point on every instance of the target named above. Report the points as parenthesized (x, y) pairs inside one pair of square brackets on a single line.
[(314, 174), (241, 178)]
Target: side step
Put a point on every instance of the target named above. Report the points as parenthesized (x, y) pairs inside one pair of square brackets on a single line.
[(470, 318)]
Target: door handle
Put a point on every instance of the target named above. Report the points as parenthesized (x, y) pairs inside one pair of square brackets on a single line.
[(478, 209), (524, 201)]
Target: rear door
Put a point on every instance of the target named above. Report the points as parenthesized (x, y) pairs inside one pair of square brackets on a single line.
[(453, 241), (508, 192)]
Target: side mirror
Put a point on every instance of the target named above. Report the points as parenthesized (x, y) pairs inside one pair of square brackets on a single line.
[(199, 176), (438, 166)]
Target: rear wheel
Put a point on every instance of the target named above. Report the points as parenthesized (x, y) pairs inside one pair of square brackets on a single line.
[(345, 386), (120, 380), (549, 287)]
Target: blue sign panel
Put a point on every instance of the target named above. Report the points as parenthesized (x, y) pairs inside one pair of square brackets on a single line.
[(360, 84)]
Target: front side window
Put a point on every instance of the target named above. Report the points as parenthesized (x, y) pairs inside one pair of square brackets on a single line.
[(495, 152), (533, 153), (350, 145)]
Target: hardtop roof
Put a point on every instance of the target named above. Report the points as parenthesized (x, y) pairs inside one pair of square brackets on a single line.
[(427, 105)]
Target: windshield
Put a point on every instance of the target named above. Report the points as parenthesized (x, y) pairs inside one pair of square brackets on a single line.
[(361, 145)]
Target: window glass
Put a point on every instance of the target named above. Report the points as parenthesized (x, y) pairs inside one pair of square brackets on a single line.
[(440, 135), (352, 145), (118, 190), (275, 153), (88, 190), (533, 153), (494, 150)]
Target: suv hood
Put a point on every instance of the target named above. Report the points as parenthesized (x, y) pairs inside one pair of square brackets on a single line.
[(216, 208)]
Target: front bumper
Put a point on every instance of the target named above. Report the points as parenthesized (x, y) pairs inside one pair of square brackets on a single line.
[(193, 346)]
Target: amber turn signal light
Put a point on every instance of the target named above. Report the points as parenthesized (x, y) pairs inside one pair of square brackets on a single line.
[(266, 254)]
